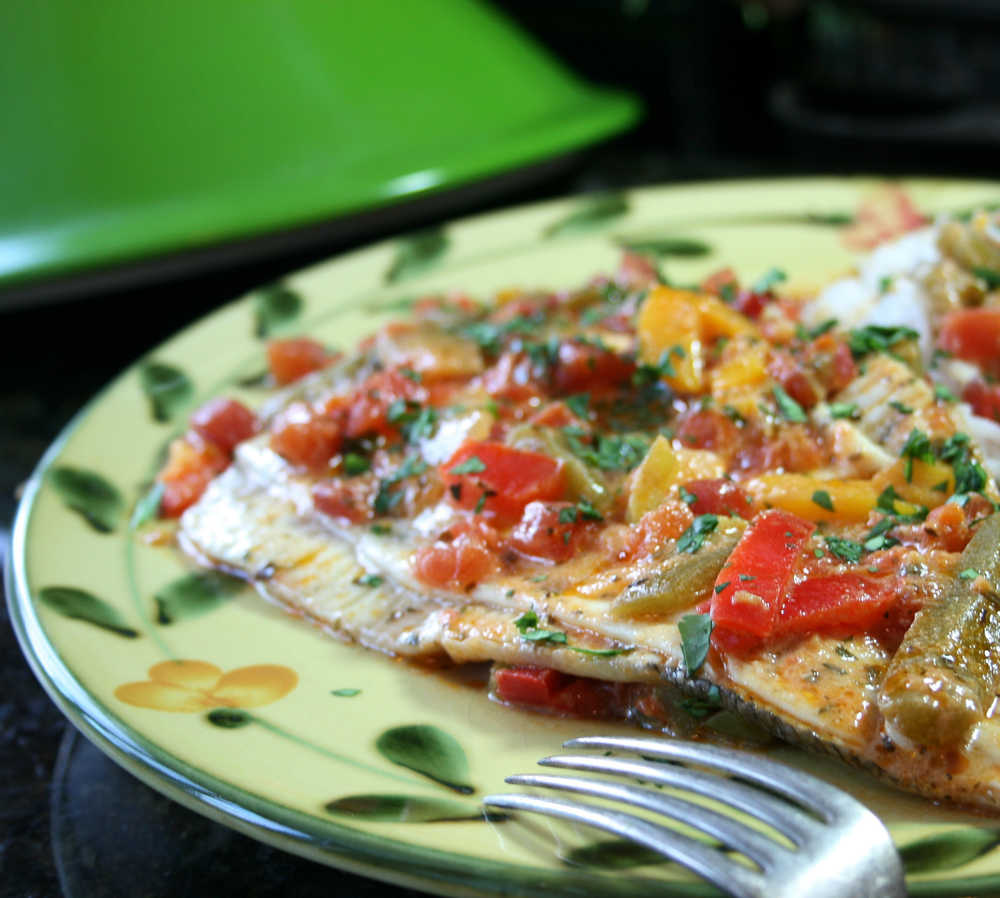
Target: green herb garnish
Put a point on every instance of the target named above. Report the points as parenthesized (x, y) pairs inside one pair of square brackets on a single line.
[(472, 465), (355, 464), (696, 632), (691, 540), (844, 410), (845, 549), (790, 409), (823, 500)]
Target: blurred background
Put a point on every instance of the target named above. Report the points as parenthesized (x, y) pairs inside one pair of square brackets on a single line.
[(640, 92)]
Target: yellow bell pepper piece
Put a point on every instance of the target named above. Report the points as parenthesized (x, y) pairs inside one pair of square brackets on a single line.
[(676, 324), (847, 501), (930, 483), (669, 326), (663, 470), (746, 368)]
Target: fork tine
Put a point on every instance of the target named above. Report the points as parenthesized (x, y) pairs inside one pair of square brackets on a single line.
[(756, 846), (706, 862), (808, 791), (784, 817)]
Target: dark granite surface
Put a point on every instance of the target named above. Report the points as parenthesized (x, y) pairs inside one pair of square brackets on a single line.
[(72, 823)]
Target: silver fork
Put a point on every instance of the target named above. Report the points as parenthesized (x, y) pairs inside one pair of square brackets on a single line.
[(841, 849)]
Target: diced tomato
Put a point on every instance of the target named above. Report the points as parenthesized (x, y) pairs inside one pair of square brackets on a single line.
[(831, 361), (793, 377), (665, 522), (294, 358), (792, 448), (582, 367), (502, 478), (843, 604), (637, 270), (707, 429), (369, 407), (536, 686), (948, 527), (305, 437), (719, 496), (718, 281), (192, 462), (550, 531), (457, 564), (512, 377), (984, 399), (555, 414), (974, 335), (342, 499), (544, 688), (751, 304), (750, 589), (225, 423)]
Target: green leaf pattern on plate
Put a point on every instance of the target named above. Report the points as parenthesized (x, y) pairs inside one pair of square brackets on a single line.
[(682, 247), (416, 254), (429, 751), (403, 809), (167, 388), (228, 718), (82, 605), (275, 308), (148, 506), (594, 212), (194, 595), (89, 495), (948, 850)]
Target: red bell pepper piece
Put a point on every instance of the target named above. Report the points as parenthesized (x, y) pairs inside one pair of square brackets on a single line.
[(750, 590), (499, 481), (841, 603)]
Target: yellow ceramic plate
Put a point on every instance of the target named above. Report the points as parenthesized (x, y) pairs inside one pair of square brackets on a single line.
[(332, 751)]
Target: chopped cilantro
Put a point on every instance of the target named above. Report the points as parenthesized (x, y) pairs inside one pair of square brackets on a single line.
[(845, 549), (691, 540), (818, 552), (696, 631), (410, 374), (720, 588), (578, 404), (355, 464), (733, 414), (823, 500), (646, 373), (372, 580), (942, 393), (990, 275), (917, 447), (568, 515), (702, 707), (527, 626), (970, 573), (747, 577), (385, 498), (381, 529), (901, 407), (844, 410), (885, 283), (687, 497), (609, 453), (480, 503), (472, 465), (878, 338), (790, 409), (822, 328)]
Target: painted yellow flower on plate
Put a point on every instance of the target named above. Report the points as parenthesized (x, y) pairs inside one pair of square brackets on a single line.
[(190, 686)]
